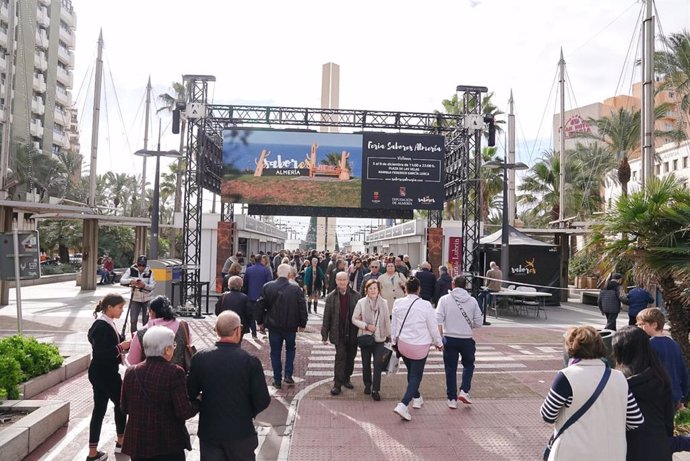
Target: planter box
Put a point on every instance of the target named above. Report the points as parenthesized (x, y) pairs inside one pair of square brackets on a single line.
[(73, 365), (580, 282), (592, 282), (25, 435)]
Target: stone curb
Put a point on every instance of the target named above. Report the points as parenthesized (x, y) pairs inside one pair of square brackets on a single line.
[(24, 436), (73, 365)]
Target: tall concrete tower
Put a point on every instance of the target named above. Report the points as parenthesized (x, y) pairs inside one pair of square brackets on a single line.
[(330, 99)]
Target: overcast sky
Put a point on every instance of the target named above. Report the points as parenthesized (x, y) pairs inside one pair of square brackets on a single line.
[(393, 55)]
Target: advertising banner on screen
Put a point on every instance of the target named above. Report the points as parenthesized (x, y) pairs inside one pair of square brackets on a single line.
[(402, 171), (333, 170), (297, 168)]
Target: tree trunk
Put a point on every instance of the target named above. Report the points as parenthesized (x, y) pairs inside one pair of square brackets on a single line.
[(677, 315)]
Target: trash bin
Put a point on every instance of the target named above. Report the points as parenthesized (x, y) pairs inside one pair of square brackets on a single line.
[(607, 337), (163, 273)]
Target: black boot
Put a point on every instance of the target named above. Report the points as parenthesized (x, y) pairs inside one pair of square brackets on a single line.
[(316, 303)]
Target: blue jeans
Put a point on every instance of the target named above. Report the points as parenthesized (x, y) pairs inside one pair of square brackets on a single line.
[(275, 339), (466, 348), (415, 371)]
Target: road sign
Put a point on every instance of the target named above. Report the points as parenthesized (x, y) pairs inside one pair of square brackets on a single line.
[(29, 256)]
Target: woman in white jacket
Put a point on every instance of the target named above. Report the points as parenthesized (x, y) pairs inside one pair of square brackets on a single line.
[(372, 317), (414, 330)]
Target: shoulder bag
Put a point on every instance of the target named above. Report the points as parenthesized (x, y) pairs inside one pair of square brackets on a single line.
[(189, 349), (462, 311), (368, 340), (583, 409), (395, 346)]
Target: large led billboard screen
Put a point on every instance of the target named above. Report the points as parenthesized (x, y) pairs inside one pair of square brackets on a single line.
[(333, 170)]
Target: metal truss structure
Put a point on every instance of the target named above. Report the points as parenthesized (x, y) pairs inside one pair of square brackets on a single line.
[(208, 121)]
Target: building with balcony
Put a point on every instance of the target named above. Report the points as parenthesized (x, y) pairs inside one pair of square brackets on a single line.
[(577, 120), (40, 113)]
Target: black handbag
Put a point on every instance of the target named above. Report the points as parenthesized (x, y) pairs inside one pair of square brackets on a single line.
[(583, 409), (368, 340)]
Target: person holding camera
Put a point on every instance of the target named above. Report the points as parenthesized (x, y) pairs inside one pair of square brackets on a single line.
[(140, 278)]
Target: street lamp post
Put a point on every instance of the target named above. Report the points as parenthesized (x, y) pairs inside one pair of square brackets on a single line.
[(505, 232), (155, 213)]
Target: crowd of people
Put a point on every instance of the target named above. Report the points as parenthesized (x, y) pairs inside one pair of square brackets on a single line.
[(617, 400)]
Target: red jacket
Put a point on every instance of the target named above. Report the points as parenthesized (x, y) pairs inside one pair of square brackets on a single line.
[(154, 395)]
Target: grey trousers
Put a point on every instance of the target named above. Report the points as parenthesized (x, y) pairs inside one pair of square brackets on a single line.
[(135, 307)]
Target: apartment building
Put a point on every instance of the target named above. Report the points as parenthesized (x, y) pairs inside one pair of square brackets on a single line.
[(576, 120), (42, 44)]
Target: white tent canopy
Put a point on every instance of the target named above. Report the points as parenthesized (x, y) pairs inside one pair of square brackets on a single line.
[(515, 238)]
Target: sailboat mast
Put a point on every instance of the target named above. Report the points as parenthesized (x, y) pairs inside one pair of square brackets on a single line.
[(95, 121), (647, 113), (561, 174), (511, 159), (146, 137)]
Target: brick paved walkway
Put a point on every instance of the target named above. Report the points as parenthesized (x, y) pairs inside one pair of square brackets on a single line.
[(516, 361)]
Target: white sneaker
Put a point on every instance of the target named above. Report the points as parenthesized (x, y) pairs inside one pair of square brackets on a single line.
[(417, 403), (464, 397), (402, 411), (453, 404)]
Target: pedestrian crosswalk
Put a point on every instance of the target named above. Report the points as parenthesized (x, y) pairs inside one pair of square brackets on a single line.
[(322, 356)]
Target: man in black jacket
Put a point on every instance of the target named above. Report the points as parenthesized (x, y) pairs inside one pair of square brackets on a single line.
[(427, 282), (337, 326), (233, 388), (283, 311)]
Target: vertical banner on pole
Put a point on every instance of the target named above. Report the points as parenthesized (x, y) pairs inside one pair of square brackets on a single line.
[(434, 247), (224, 250), (455, 255)]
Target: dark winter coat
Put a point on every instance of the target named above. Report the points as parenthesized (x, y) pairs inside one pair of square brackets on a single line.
[(638, 298), (282, 306), (651, 439), (609, 298), (427, 284), (443, 284)]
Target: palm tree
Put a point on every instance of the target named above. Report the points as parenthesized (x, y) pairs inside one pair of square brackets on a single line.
[(540, 188), (491, 183), (35, 170), (650, 228), (620, 133), (169, 103), (455, 106), (674, 64), (333, 159), (591, 165)]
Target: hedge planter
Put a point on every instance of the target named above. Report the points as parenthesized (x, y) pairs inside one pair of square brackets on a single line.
[(26, 434), (72, 366)]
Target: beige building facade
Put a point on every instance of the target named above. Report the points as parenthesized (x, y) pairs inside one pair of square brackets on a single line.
[(43, 79)]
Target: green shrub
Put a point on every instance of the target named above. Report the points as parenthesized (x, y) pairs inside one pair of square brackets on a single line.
[(31, 359), (583, 264), (10, 376)]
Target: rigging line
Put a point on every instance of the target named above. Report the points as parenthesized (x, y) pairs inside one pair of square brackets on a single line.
[(86, 73), (602, 30), (543, 115), (136, 115), (117, 105), (633, 40), (80, 120)]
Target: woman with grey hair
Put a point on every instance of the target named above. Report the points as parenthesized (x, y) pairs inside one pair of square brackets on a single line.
[(154, 396)]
